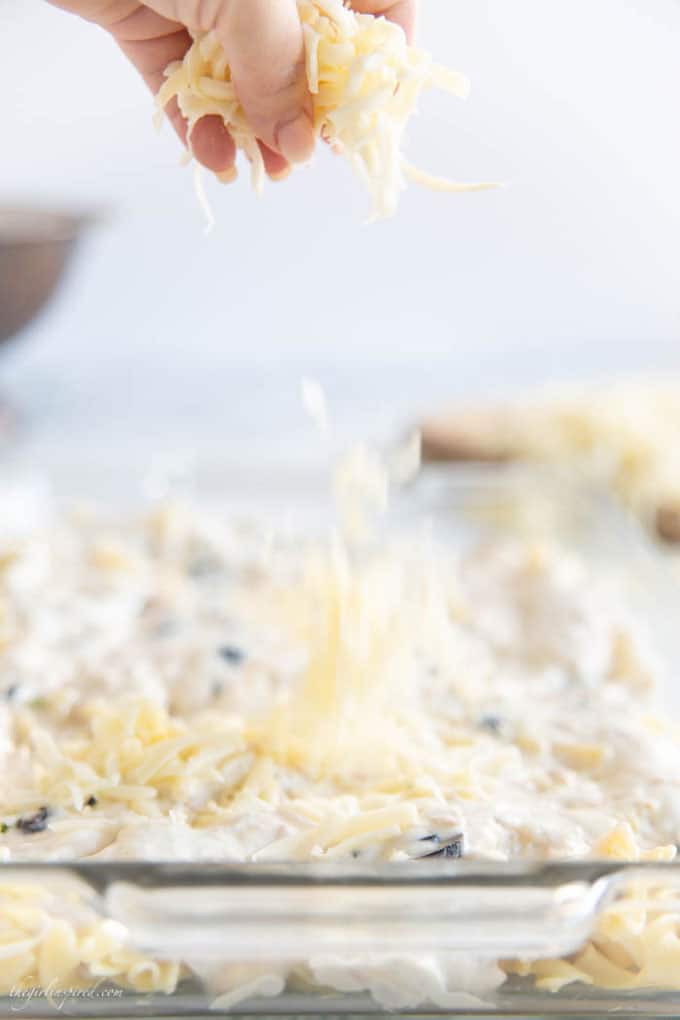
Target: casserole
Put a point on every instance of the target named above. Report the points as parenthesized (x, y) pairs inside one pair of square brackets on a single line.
[(356, 936)]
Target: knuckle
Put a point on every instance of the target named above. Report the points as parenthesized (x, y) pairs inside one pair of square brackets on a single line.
[(267, 93), (208, 13)]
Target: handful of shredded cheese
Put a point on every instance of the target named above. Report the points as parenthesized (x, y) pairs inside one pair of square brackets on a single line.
[(365, 82)]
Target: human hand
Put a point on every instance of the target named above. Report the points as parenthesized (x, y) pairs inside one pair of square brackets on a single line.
[(264, 45)]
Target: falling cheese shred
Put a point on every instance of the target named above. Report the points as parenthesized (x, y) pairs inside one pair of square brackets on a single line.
[(365, 81)]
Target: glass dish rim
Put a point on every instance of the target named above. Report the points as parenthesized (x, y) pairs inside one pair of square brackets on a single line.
[(399, 874)]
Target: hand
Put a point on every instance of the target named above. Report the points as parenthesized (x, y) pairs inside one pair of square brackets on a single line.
[(264, 44)]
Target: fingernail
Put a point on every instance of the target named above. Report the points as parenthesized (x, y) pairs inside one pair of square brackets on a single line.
[(295, 139), (280, 175), (227, 176)]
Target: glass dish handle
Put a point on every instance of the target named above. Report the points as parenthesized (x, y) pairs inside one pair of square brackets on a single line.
[(299, 920)]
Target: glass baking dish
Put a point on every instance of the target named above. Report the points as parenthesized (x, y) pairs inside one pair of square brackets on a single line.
[(442, 937)]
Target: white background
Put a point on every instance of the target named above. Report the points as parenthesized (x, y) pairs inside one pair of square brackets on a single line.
[(164, 336)]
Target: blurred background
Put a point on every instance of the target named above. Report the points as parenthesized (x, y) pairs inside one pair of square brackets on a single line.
[(163, 338)]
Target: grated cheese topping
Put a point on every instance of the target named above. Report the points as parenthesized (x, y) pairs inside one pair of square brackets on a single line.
[(167, 692), (365, 82)]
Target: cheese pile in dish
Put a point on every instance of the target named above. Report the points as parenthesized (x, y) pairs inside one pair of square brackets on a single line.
[(365, 81), (174, 687)]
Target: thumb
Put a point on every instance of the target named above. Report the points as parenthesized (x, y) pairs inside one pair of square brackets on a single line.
[(264, 44)]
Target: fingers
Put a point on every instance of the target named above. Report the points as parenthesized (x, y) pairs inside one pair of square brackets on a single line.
[(263, 40), (212, 145), (265, 47), (151, 42), (403, 12), (277, 167)]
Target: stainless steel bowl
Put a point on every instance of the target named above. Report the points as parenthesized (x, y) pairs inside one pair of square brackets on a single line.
[(36, 246)]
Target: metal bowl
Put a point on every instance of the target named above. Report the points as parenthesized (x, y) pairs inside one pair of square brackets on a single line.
[(36, 246)]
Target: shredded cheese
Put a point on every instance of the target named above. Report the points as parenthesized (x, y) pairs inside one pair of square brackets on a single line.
[(365, 82), (203, 201), (51, 942), (314, 403)]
